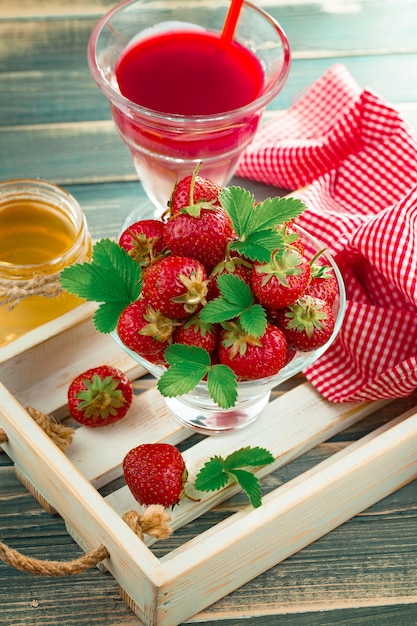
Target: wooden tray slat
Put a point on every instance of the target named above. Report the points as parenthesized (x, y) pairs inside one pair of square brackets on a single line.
[(292, 424)]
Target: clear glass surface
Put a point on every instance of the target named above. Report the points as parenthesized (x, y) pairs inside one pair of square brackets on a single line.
[(165, 148), (197, 410)]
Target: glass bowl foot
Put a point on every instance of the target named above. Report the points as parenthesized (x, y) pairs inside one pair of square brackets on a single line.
[(216, 421)]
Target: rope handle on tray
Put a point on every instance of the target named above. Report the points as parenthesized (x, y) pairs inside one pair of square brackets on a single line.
[(154, 521), (61, 435)]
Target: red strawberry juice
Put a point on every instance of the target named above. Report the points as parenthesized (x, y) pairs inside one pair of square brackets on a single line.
[(179, 76), (189, 73)]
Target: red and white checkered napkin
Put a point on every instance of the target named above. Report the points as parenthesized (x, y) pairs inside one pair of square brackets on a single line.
[(359, 158)]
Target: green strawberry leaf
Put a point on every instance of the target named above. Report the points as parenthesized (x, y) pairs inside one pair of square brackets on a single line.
[(112, 277), (248, 457), (188, 365), (236, 296), (251, 250), (250, 485), (271, 240), (235, 290), (248, 218), (254, 321), (274, 212), (238, 203), (217, 472), (219, 310), (212, 476), (264, 216), (222, 385), (106, 316), (259, 245), (236, 300), (257, 225), (177, 352), (180, 378)]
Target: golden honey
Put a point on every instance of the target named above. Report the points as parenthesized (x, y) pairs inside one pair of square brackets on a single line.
[(42, 230)]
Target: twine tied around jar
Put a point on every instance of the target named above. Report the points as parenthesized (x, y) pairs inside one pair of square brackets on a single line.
[(13, 293)]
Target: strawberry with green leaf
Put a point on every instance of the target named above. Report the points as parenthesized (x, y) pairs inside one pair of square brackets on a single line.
[(200, 228), (307, 324), (189, 365), (99, 396), (281, 280), (250, 356), (112, 278), (143, 329), (176, 286), (218, 472), (144, 241)]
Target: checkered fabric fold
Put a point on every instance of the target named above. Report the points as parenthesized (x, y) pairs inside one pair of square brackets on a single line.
[(356, 157)]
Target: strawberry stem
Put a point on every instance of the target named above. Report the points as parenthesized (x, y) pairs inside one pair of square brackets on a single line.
[(193, 177)]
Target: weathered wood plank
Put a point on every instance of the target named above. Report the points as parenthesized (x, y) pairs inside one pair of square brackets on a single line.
[(309, 25), (81, 152), (66, 153)]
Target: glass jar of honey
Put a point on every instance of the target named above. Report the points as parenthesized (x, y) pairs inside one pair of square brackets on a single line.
[(42, 230)]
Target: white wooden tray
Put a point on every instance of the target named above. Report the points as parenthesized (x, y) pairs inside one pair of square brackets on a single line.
[(36, 370)]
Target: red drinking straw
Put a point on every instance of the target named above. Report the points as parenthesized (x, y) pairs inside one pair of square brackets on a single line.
[(230, 22)]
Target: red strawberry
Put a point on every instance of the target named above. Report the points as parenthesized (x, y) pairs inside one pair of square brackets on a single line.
[(195, 332), (144, 330), (289, 355), (252, 357), (176, 286), (281, 281), (198, 226), (203, 234), (191, 190), (99, 396), (157, 359), (143, 240), (155, 474), (323, 283), (233, 265), (307, 324)]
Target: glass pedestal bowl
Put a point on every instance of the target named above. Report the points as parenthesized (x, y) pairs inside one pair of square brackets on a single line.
[(197, 410)]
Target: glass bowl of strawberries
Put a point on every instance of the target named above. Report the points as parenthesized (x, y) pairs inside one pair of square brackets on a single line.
[(197, 408), (221, 299)]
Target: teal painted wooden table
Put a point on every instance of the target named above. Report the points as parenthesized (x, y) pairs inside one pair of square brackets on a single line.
[(55, 125)]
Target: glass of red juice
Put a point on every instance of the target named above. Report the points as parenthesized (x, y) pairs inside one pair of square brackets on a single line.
[(179, 92)]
